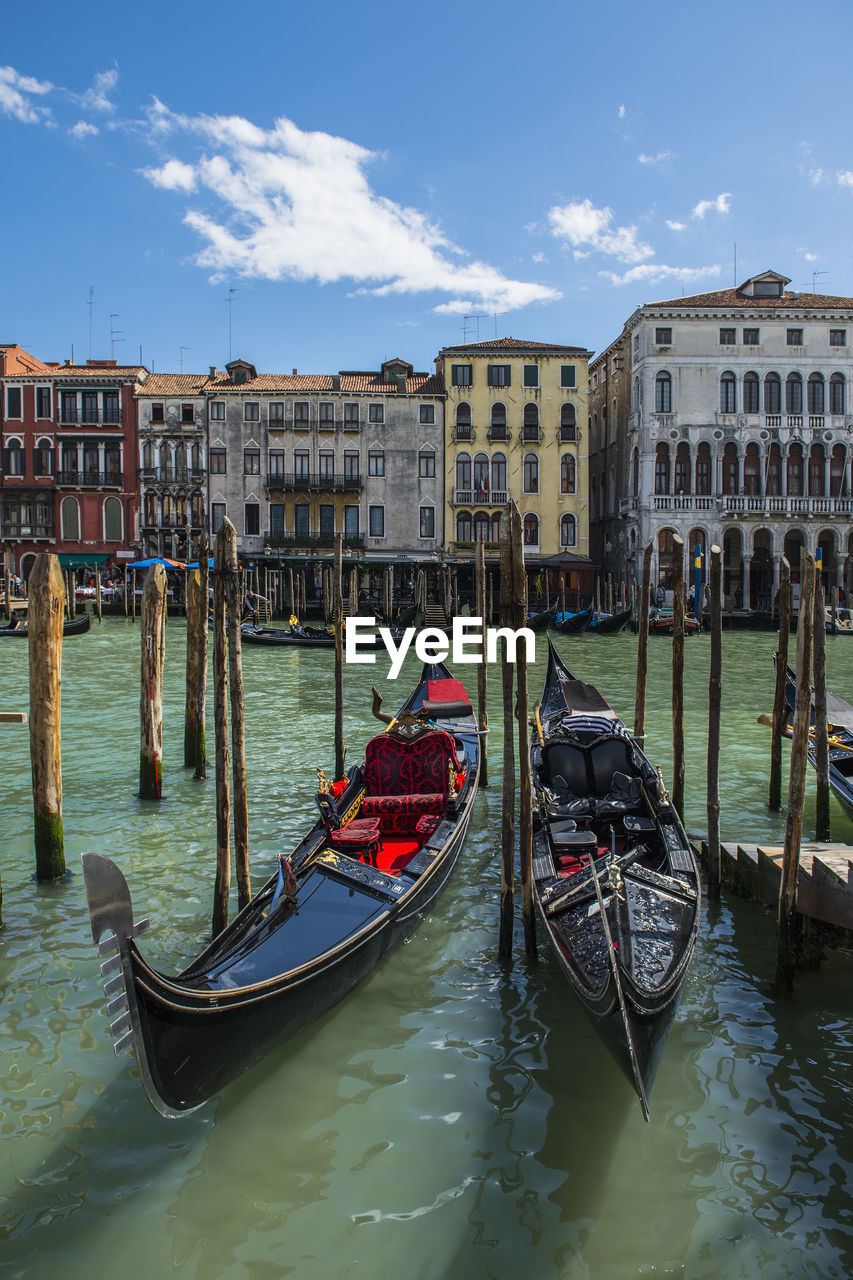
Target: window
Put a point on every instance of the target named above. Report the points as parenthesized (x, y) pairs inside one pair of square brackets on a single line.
[(376, 413), (188, 413), (531, 375), (662, 468), (464, 531), (427, 522), (351, 417), (837, 338), (728, 393), (498, 375), (731, 469), (750, 337), (426, 465), (568, 375), (772, 393), (427, 414), (302, 523), (817, 471), (463, 474), (568, 531), (795, 471), (767, 288), (728, 337), (276, 519), (793, 393), (251, 519), (112, 520), (461, 375), (43, 399), (252, 462), (217, 410), (327, 465), (13, 402), (302, 464), (836, 393), (751, 392), (327, 415), (681, 475), (217, 462), (531, 473), (43, 458), (663, 338), (815, 393), (70, 518), (530, 422), (301, 415), (327, 520), (376, 463), (531, 530), (251, 411), (276, 412), (276, 463), (703, 469), (217, 516), (663, 393), (351, 468), (463, 422), (795, 337), (567, 473), (568, 422), (68, 411), (498, 475), (481, 478), (351, 522), (498, 424)]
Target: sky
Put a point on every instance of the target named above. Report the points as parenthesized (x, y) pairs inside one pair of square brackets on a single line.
[(326, 187)]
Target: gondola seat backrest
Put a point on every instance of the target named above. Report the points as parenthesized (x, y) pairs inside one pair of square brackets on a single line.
[(588, 771), (613, 755), (394, 767), (561, 759)]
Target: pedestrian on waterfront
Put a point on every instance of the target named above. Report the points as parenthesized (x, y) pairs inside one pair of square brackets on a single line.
[(660, 596)]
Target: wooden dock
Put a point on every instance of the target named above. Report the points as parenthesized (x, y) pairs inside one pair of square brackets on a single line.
[(824, 884)]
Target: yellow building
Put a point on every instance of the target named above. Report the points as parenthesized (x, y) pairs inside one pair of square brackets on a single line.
[(516, 426)]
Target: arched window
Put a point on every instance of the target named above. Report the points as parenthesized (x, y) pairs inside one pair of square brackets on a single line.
[(816, 393), (752, 471), (568, 422), (728, 393), (14, 458), (636, 473), (197, 510), (482, 526), (147, 455), (751, 393), (635, 398), (498, 422), (682, 468), (70, 513), (793, 393), (568, 531), (531, 473), (151, 508), (795, 470), (463, 526), (662, 468), (168, 509), (195, 458), (463, 421), (180, 461), (836, 393), (663, 393), (165, 460), (498, 475), (837, 468), (181, 509), (481, 478), (112, 520), (463, 474), (774, 472), (703, 469), (772, 393), (731, 469), (567, 473), (817, 471), (531, 530), (531, 422)]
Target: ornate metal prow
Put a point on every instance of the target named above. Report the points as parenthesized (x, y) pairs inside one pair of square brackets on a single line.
[(110, 908), (377, 703)]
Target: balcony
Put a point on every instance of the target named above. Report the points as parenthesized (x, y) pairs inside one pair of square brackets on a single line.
[(89, 479), (293, 482), (79, 418), (479, 498), (305, 542), (172, 475), (16, 529)]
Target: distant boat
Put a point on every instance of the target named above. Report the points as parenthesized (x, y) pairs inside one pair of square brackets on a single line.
[(839, 716), (662, 623), (74, 627), (569, 622), (608, 623), (541, 621)]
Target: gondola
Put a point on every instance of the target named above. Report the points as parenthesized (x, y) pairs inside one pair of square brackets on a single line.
[(72, 627), (571, 622), (541, 621), (662, 623), (615, 879), (385, 844), (602, 624), (839, 717), (306, 638)]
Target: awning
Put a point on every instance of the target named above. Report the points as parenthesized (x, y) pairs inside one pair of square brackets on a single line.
[(71, 560)]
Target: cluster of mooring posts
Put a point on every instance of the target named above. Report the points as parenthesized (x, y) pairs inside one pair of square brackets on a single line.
[(50, 596)]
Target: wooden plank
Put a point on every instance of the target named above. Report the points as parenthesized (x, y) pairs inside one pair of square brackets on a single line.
[(13, 717)]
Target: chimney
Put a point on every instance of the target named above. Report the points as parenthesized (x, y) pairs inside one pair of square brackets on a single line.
[(295, 372), (2, 362), (213, 371)]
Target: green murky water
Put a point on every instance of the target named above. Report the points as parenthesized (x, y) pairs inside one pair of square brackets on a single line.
[(450, 1118)]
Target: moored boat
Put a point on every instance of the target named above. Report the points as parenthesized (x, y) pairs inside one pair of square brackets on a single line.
[(387, 840), (571, 622), (541, 621), (615, 879), (662, 623), (839, 717), (72, 627), (608, 623)]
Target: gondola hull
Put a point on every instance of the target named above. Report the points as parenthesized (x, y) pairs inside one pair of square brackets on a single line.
[(542, 621), (840, 720), (602, 624), (73, 627), (567, 623)]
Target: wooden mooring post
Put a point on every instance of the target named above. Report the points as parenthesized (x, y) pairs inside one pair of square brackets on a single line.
[(234, 600), (715, 690), (201, 658), (152, 633), (821, 733), (518, 610), (678, 606), (44, 622), (643, 603), (338, 602), (220, 717), (482, 669), (507, 613), (775, 800), (787, 930), (98, 592)]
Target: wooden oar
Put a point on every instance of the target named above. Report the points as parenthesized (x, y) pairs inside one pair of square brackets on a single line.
[(617, 981)]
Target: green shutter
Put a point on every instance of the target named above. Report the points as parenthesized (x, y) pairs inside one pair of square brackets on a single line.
[(454, 375), (507, 375), (567, 378)]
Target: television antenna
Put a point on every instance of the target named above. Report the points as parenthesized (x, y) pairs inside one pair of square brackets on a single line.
[(466, 327), (183, 349), (114, 338), (91, 305), (815, 275), (229, 301)]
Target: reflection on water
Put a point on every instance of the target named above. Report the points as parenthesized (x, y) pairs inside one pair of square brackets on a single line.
[(450, 1118)]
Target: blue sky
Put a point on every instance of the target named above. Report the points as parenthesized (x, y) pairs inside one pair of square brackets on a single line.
[(367, 176)]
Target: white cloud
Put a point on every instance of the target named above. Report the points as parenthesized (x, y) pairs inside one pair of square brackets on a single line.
[(676, 226), (844, 178), (588, 230), (622, 111), (722, 204), (287, 204), (15, 93), (652, 271), (96, 96), (83, 129), (809, 257), (538, 258), (657, 159)]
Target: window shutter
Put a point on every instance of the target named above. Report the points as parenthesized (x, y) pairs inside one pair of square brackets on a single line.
[(6, 461), (454, 375), (507, 377)]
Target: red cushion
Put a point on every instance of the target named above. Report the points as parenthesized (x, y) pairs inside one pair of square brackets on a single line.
[(429, 802), (427, 824), (361, 831), (446, 691), (393, 767)]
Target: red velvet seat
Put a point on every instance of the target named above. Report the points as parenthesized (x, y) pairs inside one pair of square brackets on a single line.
[(359, 836), (403, 780)]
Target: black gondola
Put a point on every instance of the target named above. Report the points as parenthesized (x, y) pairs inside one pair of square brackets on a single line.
[(602, 624), (542, 621), (72, 627), (301, 638), (352, 888), (839, 717), (615, 879), (571, 622)]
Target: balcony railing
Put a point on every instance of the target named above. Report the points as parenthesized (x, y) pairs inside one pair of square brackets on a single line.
[(479, 498), (17, 529), (90, 479), (177, 475), (309, 541), (81, 418), (744, 504), (295, 482)]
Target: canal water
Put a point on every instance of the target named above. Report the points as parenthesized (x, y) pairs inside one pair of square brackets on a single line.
[(452, 1118)]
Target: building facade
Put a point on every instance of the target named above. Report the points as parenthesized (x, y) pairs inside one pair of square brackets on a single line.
[(739, 433), (609, 384), (69, 451), (172, 416), (517, 427)]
